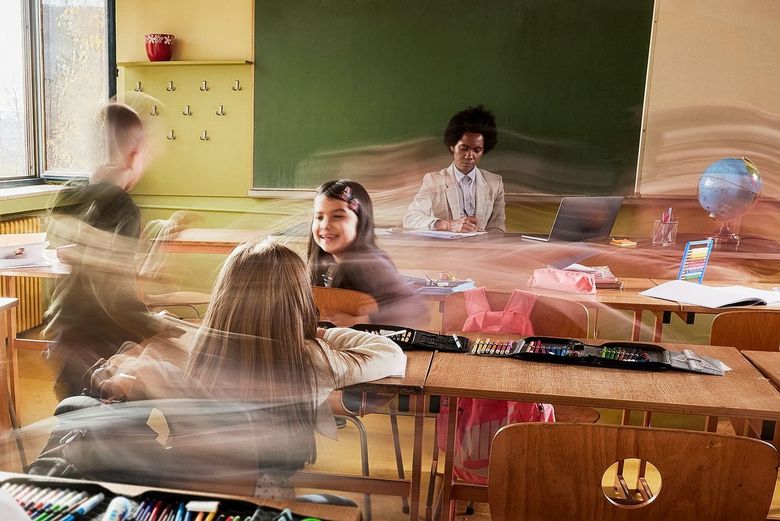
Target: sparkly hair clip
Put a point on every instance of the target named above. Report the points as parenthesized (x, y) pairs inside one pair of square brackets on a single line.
[(347, 196)]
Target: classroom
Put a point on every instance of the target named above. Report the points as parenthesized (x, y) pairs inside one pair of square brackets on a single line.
[(199, 200)]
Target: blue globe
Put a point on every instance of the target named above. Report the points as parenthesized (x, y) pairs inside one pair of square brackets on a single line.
[(729, 187)]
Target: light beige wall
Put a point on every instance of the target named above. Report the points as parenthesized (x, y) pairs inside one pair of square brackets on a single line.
[(713, 92)]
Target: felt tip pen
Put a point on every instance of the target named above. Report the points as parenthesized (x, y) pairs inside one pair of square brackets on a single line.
[(457, 341), (60, 510), (85, 507), (180, 512)]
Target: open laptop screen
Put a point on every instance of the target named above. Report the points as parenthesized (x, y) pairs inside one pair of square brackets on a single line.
[(583, 218)]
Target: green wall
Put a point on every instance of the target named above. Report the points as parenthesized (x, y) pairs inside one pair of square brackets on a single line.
[(565, 79)]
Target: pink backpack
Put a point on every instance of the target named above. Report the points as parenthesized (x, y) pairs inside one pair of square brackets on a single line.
[(479, 419)]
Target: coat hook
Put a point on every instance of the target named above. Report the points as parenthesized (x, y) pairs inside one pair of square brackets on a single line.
[(153, 111), (204, 86), (204, 136), (221, 110), (170, 87), (187, 110), (171, 136), (236, 85), (138, 87)]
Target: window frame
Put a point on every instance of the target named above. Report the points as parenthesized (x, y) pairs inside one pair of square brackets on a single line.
[(34, 102)]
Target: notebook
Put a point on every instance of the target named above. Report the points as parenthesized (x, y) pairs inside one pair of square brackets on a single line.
[(582, 218)]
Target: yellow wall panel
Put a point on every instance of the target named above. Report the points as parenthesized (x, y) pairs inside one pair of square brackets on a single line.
[(204, 29)]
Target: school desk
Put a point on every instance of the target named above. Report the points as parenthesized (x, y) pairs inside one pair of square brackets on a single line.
[(687, 312), (768, 363), (6, 416), (8, 289), (417, 365), (742, 393), (319, 511)]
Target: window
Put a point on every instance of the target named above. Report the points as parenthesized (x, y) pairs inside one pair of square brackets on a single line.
[(53, 81), (13, 96)]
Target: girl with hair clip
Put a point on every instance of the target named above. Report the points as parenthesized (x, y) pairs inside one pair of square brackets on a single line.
[(343, 254), (259, 345)]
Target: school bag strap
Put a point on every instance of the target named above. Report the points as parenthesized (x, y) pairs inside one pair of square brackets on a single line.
[(514, 318)]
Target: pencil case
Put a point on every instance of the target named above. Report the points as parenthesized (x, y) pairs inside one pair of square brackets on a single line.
[(36, 507), (408, 338), (621, 355)]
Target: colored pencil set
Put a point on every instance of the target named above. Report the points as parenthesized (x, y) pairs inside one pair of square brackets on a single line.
[(486, 346), (43, 503), (46, 501)]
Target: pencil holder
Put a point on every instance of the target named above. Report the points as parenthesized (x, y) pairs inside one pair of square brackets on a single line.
[(664, 234)]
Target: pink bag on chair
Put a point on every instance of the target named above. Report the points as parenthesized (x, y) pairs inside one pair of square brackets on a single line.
[(479, 419)]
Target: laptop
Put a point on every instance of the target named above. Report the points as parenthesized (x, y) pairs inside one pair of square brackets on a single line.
[(582, 218)]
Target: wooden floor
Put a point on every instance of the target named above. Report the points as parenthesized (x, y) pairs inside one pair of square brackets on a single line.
[(342, 456)]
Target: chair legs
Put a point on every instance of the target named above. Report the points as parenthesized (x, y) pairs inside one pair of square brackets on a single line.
[(399, 457), (399, 462), (363, 460)]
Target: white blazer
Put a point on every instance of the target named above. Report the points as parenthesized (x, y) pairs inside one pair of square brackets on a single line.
[(439, 198)]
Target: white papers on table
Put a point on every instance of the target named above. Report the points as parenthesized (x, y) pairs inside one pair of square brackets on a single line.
[(436, 234), (711, 296), (22, 249)]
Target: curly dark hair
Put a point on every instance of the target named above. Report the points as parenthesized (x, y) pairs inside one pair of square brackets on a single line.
[(478, 120)]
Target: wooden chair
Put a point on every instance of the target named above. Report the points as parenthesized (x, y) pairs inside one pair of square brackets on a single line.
[(751, 330), (357, 303), (193, 300), (343, 300), (550, 316), (554, 471)]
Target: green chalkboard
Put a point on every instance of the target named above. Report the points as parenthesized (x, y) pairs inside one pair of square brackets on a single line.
[(565, 79)]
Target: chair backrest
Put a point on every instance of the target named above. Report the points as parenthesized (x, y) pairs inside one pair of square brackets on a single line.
[(753, 330), (541, 471), (551, 316), (343, 300)]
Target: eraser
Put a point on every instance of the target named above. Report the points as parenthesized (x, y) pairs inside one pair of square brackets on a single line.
[(203, 506)]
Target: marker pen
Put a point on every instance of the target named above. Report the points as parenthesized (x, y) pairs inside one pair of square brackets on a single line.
[(85, 507)]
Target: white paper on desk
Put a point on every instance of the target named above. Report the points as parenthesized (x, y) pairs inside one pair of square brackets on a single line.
[(580, 267), (10, 509), (436, 234), (711, 296)]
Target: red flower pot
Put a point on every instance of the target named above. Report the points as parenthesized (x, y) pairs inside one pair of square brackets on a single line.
[(159, 46)]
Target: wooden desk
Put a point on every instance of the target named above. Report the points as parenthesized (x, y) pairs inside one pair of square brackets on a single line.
[(334, 512), (768, 362), (741, 393), (417, 366), (6, 417), (8, 289), (754, 259), (207, 240), (687, 312)]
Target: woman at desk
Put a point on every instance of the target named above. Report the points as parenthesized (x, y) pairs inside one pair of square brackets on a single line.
[(462, 197)]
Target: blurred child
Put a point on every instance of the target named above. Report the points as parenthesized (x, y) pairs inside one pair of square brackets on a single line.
[(96, 307), (259, 345)]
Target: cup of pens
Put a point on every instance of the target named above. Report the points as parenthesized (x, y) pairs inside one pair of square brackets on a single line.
[(665, 229)]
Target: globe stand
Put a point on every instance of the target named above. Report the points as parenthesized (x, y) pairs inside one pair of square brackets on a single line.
[(724, 235)]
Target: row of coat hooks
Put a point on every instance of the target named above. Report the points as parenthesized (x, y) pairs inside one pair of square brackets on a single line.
[(204, 86), (187, 111), (171, 136)]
